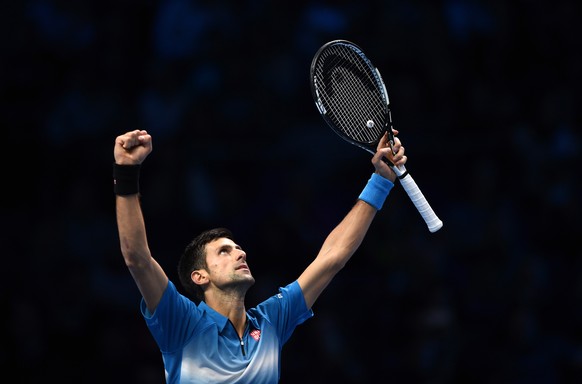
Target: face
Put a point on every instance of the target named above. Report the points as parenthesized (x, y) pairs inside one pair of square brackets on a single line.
[(227, 263)]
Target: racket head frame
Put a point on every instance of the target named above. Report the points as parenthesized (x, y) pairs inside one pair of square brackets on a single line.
[(369, 74)]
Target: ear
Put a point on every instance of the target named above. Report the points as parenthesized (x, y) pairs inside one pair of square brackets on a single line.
[(199, 277)]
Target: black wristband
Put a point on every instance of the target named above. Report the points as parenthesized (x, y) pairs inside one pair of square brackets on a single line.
[(126, 179)]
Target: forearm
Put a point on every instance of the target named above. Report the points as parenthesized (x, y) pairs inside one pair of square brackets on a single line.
[(131, 228), (337, 249), (348, 235), (344, 239)]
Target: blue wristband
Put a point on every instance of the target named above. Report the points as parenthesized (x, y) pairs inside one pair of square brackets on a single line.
[(376, 191)]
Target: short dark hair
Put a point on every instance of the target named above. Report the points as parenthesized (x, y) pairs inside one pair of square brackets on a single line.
[(194, 257)]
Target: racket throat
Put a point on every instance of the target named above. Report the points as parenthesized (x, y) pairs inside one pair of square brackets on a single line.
[(389, 128)]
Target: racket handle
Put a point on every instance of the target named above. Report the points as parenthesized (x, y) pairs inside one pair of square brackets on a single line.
[(418, 199)]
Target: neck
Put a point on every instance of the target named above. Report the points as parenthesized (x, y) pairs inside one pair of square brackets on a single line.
[(233, 309)]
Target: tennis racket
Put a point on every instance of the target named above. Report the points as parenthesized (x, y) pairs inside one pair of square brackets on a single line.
[(351, 96)]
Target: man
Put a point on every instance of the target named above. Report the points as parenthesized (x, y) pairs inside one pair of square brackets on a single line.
[(218, 340)]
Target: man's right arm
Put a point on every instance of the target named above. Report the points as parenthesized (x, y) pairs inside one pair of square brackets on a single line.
[(131, 149), (346, 237)]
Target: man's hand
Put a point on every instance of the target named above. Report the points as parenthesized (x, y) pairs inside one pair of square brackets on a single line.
[(383, 150), (132, 147)]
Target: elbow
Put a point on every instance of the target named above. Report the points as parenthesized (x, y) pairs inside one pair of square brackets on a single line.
[(337, 261), (135, 257)]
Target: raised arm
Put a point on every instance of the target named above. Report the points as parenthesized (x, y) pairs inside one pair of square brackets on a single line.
[(346, 237), (129, 152)]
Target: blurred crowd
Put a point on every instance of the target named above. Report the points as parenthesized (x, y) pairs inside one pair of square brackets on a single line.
[(485, 95)]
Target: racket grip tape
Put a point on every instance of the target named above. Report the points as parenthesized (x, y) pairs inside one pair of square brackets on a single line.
[(402, 176), (420, 202)]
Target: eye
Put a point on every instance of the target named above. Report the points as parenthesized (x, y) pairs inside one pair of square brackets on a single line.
[(224, 250)]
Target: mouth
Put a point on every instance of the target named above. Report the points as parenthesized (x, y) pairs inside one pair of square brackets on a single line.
[(242, 267)]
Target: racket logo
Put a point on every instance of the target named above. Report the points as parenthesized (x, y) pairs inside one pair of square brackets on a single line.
[(370, 124), (335, 68)]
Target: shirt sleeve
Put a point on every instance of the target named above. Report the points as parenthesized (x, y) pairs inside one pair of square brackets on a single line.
[(173, 319), (286, 310)]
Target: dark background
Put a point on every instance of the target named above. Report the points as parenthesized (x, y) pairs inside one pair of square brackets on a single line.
[(486, 97)]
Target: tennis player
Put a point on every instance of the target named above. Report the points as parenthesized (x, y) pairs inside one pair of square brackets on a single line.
[(210, 336)]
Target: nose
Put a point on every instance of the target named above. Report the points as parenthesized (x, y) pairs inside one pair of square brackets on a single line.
[(242, 255)]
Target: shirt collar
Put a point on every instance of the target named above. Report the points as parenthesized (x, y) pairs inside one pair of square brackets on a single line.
[(221, 320)]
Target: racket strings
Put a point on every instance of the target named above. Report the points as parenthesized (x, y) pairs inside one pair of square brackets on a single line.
[(352, 101), (350, 92)]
